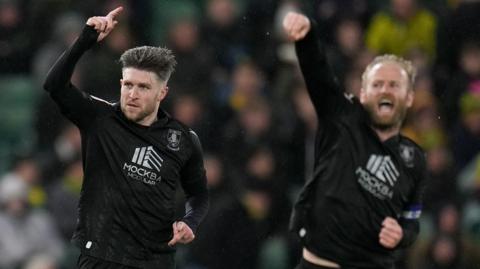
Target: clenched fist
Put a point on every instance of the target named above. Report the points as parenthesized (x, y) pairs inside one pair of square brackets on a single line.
[(181, 233), (391, 233), (296, 26)]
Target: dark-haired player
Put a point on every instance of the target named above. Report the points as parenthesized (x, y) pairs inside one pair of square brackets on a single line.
[(134, 154)]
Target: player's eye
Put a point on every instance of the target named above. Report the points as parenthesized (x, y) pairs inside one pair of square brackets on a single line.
[(143, 86)]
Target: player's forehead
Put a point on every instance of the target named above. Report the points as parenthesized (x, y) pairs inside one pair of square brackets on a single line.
[(387, 71), (139, 75)]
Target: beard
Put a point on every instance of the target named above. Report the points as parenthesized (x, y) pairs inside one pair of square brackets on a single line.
[(386, 122), (137, 114)]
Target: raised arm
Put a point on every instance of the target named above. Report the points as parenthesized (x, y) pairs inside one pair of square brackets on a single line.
[(326, 95), (96, 30), (72, 101)]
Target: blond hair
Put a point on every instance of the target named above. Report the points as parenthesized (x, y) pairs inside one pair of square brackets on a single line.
[(404, 64)]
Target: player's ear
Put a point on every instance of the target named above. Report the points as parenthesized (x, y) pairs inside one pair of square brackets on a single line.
[(362, 95), (410, 97), (163, 93)]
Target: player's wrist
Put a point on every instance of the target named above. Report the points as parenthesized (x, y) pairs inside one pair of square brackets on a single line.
[(188, 223), (88, 36)]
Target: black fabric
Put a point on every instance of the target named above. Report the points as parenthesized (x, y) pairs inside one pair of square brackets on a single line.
[(89, 262), (131, 172), (308, 265), (304, 264), (358, 180)]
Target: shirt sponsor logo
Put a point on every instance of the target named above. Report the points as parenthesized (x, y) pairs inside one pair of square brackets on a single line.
[(379, 177), (382, 167), (147, 157), (145, 165)]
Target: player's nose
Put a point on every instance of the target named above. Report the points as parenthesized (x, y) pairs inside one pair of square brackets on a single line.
[(133, 93)]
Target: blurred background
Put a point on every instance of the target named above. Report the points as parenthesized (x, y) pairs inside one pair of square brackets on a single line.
[(237, 84)]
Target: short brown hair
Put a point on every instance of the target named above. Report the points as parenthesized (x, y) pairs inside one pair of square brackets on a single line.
[(404, 64), (159, 60)]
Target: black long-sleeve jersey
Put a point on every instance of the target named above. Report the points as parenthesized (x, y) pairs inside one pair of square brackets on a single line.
[(358, 180), (131, 172)]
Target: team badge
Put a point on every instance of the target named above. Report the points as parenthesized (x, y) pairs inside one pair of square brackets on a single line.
[(173, 138), (407, 153)]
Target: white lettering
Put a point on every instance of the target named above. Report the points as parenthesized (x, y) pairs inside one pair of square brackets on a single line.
[(373, 185), (141, 174)]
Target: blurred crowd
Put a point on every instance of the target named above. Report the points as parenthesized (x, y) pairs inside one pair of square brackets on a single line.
[(238, 85)]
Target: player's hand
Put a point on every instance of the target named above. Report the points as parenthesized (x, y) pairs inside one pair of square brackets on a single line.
[(296, 26), (104, 24), (391, 233), (181, 233)]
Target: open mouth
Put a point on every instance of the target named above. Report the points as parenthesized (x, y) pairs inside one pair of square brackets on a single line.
[(385, 105)]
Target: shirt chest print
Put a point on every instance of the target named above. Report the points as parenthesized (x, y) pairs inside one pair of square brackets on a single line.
[(378, 176), (144, 166)]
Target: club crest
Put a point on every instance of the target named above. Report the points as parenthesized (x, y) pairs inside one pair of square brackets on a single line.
[(407, 154), (173, 138)]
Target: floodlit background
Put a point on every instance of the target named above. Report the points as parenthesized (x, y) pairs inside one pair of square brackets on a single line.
[(237, 84)]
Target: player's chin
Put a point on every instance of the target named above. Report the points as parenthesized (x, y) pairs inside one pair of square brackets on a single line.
[(135, 117), (128, 111), (384, 122), (385, 115)]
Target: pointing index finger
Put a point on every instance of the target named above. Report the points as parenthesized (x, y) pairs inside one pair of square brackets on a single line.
[(115, 12)]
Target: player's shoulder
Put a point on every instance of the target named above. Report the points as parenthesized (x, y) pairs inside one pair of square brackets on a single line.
[(181, 127), (102, 106), (412, 154), (405, 141), (187, 132), (103, 102), (98, 109), (354, 110)]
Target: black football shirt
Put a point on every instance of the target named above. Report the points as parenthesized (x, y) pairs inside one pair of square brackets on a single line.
[(131, 172), (358, 180)]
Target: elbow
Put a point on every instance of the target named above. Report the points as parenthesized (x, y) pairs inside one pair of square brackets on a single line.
[(53, 80), (48, 84), (52, 83)]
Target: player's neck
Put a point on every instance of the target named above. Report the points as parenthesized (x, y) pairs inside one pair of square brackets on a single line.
[(151, 118), (385, 134), (148, 120)]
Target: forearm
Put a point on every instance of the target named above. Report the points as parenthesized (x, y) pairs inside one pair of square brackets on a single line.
[(411, 229), (59, 75), (321, 83), (196, 208), (194, 183), (311, 52)]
